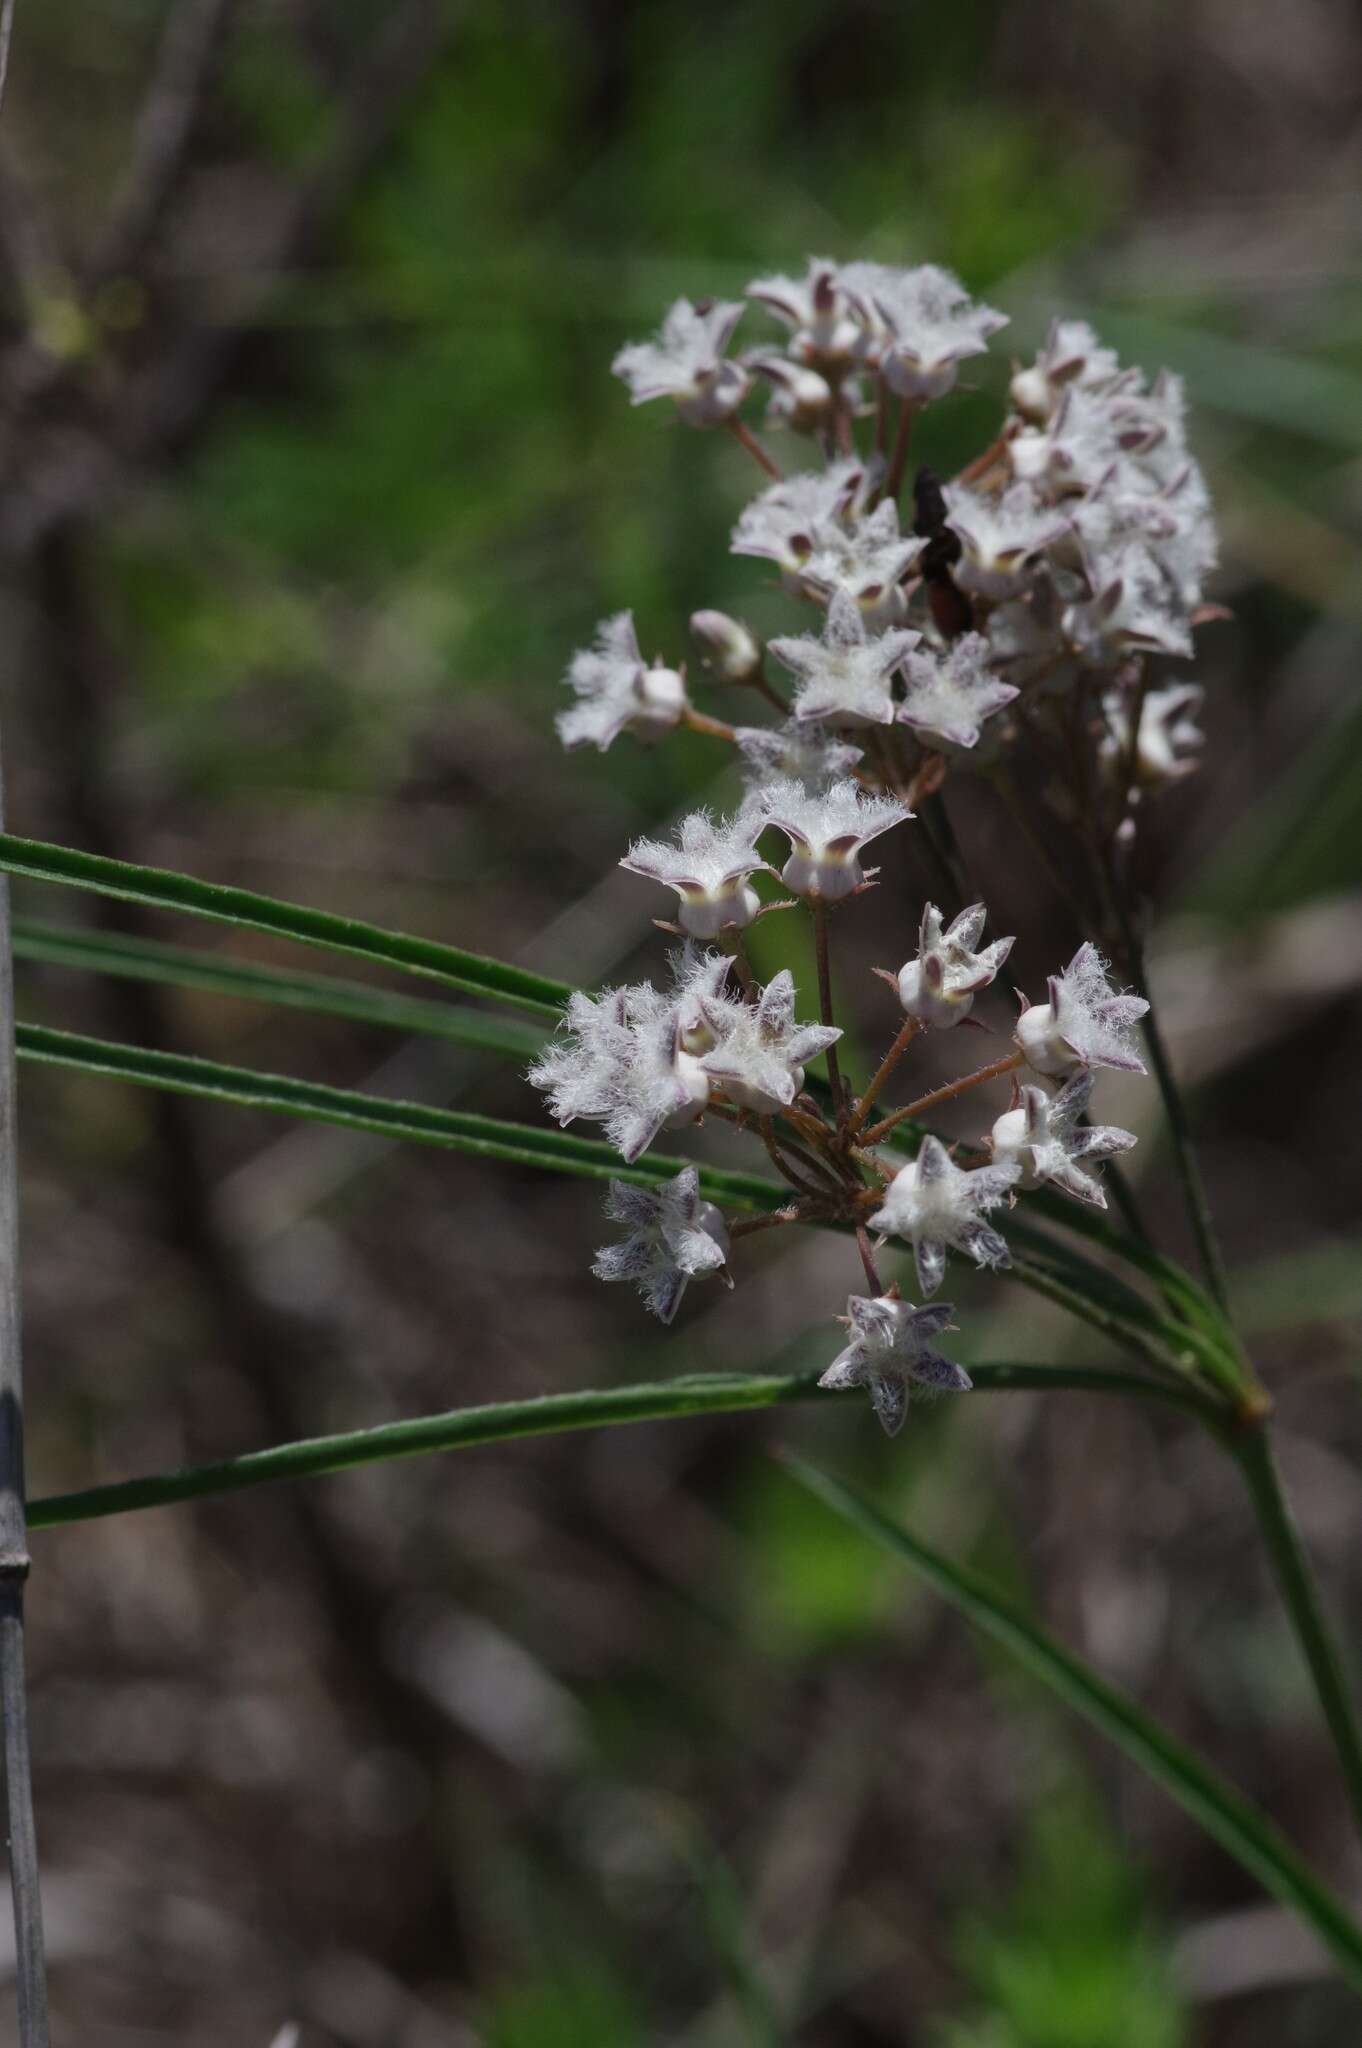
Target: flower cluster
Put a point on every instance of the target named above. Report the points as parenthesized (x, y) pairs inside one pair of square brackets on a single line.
[(1004, 623)]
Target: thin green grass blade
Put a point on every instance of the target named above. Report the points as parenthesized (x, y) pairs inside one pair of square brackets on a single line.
[(182, 967), (164, 890), (1215, 1804), (549, 1415)]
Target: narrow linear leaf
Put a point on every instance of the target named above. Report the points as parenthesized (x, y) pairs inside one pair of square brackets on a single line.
[(548, 1415), (165, 890), (483, 1136), (181, 967), (1215, 1804)]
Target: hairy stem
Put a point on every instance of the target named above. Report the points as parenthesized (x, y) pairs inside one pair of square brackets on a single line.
[(907, 1031), (1007, 1065), (700, 721), (820, 940)]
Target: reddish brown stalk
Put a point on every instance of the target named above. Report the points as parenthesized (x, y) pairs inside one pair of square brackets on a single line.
[(745, 438), (747, 1226), (982, 464), (899, 460), (820, 940), (785, 1167), (907, 1031), (700, 721), (868, 1259), (989, 1073)]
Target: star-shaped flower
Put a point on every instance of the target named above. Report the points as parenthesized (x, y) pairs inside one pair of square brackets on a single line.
[(806, 754), (617, 692), (620, 1062), (672, 1235), (845, 676), (708, 868), (939, 986), (1086, 1023), (687, 362), (924, 322), (759, 1053), (1041, 1136), (935, 1203), (1072, 355), (800, 398), (1135, 607), (825, 333), (1170, 737), (890, 1345), (827, 832), (999, 537), (952, 691), (868, 560), (792, 518)]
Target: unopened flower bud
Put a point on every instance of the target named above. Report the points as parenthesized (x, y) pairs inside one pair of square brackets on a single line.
[(727, 649)]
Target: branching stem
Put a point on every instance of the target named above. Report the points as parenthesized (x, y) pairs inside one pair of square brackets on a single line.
[(745, 438), (907, 1031), (952, 1088)]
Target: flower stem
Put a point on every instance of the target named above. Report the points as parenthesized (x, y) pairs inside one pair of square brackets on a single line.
[(868, 1259), (898, 461), (989, 1073), (700, 721), (1252, 1451), (907, 1031), (745, 438), (30, 1967), (820, 940)]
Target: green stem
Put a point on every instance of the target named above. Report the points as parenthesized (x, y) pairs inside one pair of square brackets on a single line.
[(552, 1414), (1252, 1451)]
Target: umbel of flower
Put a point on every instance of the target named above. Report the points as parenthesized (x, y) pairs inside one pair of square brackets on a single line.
[(671, 1236), (687, 362), (939, 986), (759, 1053), (845, 677), (924, 324), (935, 1203), (709, 868), (827, 832), (1086, 1022), (890, 1344), (617, 692), (952, 691), (620, 1062), (1042, 1137), (1169, 735)]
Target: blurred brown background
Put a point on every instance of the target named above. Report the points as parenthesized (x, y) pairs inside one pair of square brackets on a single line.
[(313, 477)]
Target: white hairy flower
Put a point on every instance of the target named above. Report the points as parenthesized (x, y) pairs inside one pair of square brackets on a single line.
[(1072, 355), (807, 754), (827, 831), (1135, 607), (728, 649), (617, 692), (939, 986), (800, 398), (923, 324), (825, 334), (935, 1203), (1074, 450), (709, 868), (951, 691), (890, 1345), (1041, 1136), (1086, 1022), (999, 537), (759, 1055), (1169, 734), (789, 520), (687, 362), (619, 1061), (672, 1235), (845, 676), (869, 561)]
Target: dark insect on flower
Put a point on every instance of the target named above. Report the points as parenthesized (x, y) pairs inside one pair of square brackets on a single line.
[(951, 609)]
